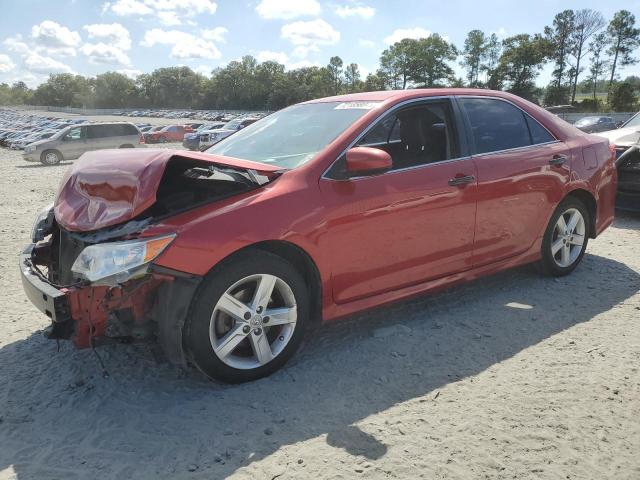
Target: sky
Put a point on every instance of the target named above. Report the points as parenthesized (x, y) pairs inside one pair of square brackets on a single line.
[(136, 36)]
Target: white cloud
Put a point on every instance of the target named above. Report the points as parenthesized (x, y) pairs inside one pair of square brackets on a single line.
[(302, 64), (15, 44), (53, 35), (34, 62), (6, 64), (268, 55), (302, 51), (362, 11), (216, 34), (103, 53), (287, 9), (169, 18), (130, 72), (183, 45), (366, 43), (311, 33), (401, 33), (127, 7), (168, 12), (110, 33)]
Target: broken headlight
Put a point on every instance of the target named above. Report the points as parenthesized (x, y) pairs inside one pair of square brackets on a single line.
[(42, 226), (116, 262)]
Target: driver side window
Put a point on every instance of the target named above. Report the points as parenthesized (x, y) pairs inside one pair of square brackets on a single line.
[(415, 135)]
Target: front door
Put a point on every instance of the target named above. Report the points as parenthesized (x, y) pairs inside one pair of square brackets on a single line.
[(408, 225)]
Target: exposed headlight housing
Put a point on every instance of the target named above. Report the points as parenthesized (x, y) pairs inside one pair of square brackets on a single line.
[(44, 222), (29, 149), (116, 262)]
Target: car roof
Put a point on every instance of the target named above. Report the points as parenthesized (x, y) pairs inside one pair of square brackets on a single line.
[(380, 96)]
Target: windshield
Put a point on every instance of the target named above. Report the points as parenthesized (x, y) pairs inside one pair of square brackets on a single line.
[(633, 121), (292, 137)]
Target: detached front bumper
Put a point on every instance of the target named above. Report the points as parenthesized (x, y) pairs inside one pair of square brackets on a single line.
[(48, 299)]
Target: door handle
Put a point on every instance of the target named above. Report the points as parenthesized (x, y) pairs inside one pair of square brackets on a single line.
[(457, 181), (558, 160)]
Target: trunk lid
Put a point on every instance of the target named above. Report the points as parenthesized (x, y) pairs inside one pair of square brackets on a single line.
[(107, 187)]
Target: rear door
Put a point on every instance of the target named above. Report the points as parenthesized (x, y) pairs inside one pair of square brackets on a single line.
[(522, 171)]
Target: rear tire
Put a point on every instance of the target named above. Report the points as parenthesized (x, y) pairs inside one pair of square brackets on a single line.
[(50, 157), (248, 318), (565, 239)]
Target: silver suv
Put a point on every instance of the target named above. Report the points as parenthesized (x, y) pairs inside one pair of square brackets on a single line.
[(71, 142)]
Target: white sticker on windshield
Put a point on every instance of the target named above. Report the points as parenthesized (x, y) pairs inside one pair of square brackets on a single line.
[(356, 105)]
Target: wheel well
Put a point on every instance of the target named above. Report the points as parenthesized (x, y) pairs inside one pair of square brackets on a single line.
[(305, 266), (302, 263), (592, 207)]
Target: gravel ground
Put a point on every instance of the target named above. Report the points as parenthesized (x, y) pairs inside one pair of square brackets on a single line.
[(516, 376)]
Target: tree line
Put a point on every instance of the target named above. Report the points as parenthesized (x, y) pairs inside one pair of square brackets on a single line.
[(586, 52)]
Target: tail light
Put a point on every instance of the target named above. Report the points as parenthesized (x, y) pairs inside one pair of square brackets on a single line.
[(141, 140)]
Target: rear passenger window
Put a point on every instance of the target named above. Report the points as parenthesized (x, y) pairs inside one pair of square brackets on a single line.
[(539, 134), (496, 125)]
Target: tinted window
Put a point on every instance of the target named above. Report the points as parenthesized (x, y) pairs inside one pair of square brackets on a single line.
[(496, 125), (415, 135), (539, 134)]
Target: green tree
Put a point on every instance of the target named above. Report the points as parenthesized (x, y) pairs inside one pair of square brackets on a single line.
[(587, 24), (396, 63), (559, 38), (475, 48), (64, 90), (115, 90), (352, 77), (335, 71), (598, 64), (623, 38), (429, 67), (490, 63), (522, 58), (623, 97)]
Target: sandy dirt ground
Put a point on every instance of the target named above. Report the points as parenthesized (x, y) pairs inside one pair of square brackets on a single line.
[(516, 376)]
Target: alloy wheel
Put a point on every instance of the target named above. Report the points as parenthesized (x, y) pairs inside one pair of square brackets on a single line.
[(253, 321), (568, 238)]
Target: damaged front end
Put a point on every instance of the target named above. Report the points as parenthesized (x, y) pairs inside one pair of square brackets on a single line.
[(90, 265)]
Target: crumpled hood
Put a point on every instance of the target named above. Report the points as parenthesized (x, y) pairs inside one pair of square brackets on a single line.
[(622, 136), (107, 187)]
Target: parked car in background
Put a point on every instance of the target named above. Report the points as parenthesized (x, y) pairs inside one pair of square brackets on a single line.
[(627, 144), (595, 124), (22, 143), (321, 210), (168, 133), (73, 141), (227, 129), (199, 139)]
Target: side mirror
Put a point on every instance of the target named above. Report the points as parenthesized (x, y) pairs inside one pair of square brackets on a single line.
[(367, 161)]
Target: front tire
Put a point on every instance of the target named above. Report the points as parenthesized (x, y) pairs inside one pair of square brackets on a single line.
[(50, 157), (566, 238), (248, 318)]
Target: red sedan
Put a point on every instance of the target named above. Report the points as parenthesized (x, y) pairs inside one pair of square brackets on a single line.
[(170, 133), (315, 212)]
